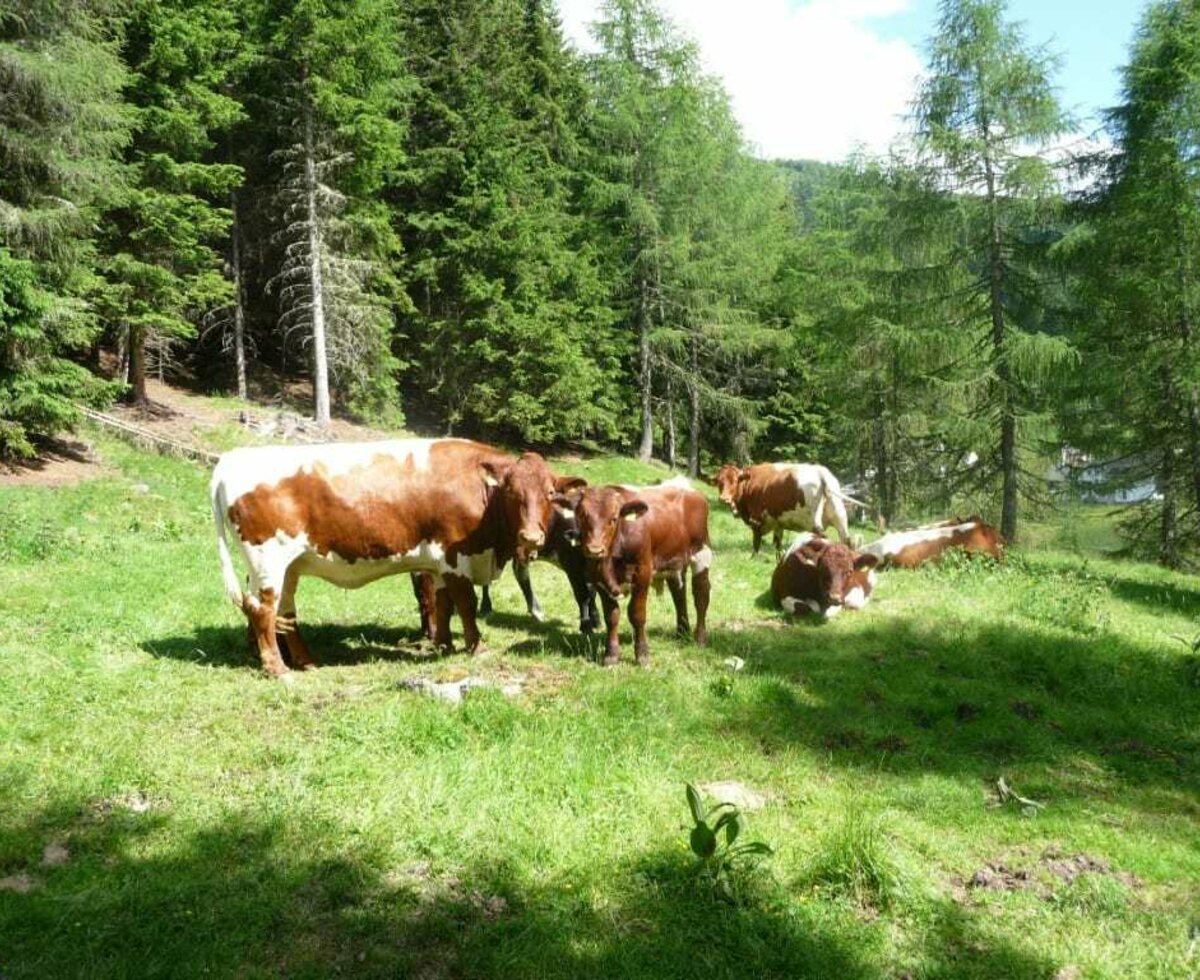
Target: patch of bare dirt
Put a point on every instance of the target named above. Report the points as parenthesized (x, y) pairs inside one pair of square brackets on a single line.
[(1041, 876), (55, 854), (62, 463), (739, 794)]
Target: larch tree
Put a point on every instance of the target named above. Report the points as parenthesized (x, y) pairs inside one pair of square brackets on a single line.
[(985, 115)]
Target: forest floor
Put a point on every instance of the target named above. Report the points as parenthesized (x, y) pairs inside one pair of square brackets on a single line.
[(166, 809)]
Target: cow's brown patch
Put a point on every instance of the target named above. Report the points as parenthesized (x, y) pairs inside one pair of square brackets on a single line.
[(823, 572)]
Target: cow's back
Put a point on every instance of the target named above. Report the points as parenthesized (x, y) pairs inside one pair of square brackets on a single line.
[(678, 521), (357, 501)]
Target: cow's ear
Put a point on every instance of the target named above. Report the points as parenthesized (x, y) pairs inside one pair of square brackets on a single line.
[(492, 473), (565, 504), (633, 510), (743, 476), (564, 483), (865, 561)]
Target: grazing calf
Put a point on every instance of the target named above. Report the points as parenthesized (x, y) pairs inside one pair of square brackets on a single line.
[(817, 575), (351, 513), (783, 496), (634, 537), (908, 549)]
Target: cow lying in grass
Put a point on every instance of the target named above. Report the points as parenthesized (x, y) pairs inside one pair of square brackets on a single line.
[(820, 576), (633, 537), (908, 549)]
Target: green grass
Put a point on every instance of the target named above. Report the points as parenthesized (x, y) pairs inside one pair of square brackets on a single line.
[(220, 824)]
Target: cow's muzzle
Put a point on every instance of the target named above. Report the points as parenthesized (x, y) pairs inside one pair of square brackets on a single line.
[(592, 551)]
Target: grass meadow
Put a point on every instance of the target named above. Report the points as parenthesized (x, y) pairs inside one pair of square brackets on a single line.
[(168, 810)]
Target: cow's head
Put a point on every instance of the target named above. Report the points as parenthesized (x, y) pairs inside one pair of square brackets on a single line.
[(527, 490), (599, 514), (984, 537), (844, 577), (727, 481)]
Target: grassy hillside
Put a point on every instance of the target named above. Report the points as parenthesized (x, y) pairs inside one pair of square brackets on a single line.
[(167, 810)]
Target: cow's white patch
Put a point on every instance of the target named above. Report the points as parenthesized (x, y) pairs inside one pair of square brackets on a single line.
[(821, 493), (789, 604), (679, 482), (892, 544), (799, 541), (856, 598), (831, 611), (702, 560), (871, 577), (479, 568), (813, 605)]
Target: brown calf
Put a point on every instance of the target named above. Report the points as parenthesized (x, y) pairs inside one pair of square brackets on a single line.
[(633, 537)]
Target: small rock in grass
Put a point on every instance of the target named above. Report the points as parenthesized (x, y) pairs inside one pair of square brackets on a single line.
[(140, 488), (740, 795), (18, 883), (1069, 972), (55, 854), (734, 663), (456, 691)]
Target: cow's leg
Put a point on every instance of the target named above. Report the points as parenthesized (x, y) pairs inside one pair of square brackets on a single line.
[(461, 593), (757, 531), (287, 631), (485, 601), (637, 619), (521, 574), (778, 543), (679, 597), (261, 610), (443, 606), (701, 589), (612, 617), (583, 590), (426, 593)]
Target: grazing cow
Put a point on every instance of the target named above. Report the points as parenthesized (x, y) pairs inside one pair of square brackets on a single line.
[(351, 513), (817, 575), (633, 537), (783, 496), (908, 549)]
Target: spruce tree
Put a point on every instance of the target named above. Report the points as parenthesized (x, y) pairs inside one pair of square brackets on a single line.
[(62, 128)]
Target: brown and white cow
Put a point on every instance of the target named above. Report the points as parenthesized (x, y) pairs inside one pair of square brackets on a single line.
[(351, 513), (633, 537), (783, 496), (908, 549), (820, 576)]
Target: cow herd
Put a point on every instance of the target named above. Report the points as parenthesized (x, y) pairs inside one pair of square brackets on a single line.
[(452, 513)]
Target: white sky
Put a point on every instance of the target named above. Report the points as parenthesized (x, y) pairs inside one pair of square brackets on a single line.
[(807, 79)]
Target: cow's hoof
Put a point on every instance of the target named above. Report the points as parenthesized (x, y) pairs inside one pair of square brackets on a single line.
[(642, 660), (287, 678), (702, 638), (611, 660)]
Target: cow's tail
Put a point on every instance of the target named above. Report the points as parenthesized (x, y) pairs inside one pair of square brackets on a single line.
[(833, 498), (220, 508)]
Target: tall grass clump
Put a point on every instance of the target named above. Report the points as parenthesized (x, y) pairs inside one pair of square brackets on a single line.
[(857, 860)]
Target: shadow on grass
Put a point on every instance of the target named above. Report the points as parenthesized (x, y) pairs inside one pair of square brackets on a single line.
[(332, 644), (1158, 595), (957, 697), (255, 896)]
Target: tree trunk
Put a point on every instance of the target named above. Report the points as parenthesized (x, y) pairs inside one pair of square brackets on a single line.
[(693, 393), (137, 366), (1008, 417), (1168, 533), (239, 313), (645, 380), (670, 407), (320, 359)]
